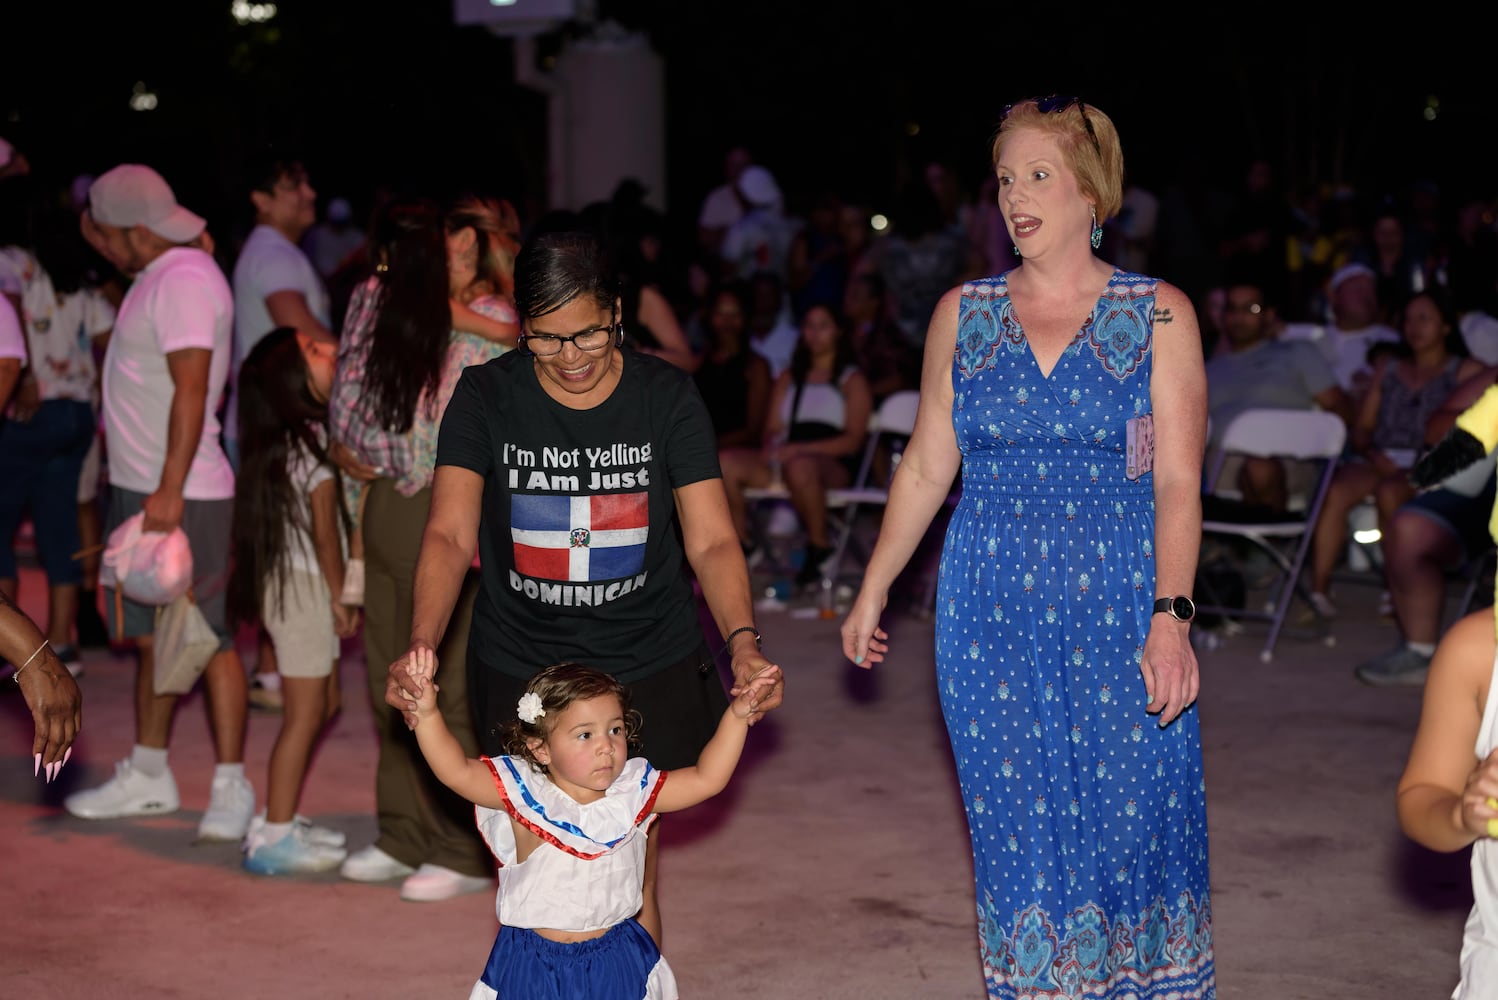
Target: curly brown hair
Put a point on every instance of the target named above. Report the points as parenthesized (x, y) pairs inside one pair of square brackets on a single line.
[(558, 686)]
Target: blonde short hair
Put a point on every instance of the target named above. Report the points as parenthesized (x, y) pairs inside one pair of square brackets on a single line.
[(1087, 139)]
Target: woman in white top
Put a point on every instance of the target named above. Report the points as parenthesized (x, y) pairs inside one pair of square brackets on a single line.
[(50, 425), (819, 419)]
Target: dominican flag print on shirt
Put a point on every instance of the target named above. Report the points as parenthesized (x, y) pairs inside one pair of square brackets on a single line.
[(580, 539)]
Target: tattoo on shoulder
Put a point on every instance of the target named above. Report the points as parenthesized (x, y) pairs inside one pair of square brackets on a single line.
[(1163, 316)]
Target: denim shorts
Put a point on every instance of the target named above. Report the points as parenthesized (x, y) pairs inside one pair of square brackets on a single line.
[(40, 463), (1464, 518)]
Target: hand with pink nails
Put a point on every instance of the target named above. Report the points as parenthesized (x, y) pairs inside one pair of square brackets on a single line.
[(50, 691)]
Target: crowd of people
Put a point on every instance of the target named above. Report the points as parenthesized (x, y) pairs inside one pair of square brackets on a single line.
[(512, 456)]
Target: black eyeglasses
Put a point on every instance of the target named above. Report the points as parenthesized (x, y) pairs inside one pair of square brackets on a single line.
[(1057, 103), (546, 345)]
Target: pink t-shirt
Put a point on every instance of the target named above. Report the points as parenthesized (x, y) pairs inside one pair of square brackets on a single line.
[(180, 301), (12, 340)]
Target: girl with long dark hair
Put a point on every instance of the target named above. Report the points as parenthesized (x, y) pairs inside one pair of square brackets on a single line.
[(288, 545)]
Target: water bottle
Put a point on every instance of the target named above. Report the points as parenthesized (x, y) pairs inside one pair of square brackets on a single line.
[(826, 607), (776, 482), (896, 452)]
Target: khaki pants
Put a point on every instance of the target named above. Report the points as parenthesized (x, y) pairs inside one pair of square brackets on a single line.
[(421, 821)]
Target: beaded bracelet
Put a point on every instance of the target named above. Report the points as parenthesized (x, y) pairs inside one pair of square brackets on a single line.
[(758, 643), (17, 675)]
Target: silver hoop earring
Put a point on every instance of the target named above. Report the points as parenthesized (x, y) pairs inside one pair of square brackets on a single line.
[(619, 334), (1097, 230)]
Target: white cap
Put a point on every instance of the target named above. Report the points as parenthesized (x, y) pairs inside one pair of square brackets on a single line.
[(135, 195), (758, 187), (1350, 271)]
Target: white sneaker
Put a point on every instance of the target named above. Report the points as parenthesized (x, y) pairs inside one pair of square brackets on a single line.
[(320, 835), (231, 805), (129, 793), (353, 584), (433, 883), (294, 853), (373, 865)]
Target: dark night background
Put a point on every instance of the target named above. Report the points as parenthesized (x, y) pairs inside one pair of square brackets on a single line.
[(839, 94)]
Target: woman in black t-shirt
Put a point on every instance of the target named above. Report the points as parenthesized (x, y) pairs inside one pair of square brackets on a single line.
[(584, 478)]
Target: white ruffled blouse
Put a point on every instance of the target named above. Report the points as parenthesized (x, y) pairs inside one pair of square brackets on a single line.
[(588, 872)]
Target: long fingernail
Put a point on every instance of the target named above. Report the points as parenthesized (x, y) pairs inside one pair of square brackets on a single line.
[(36, 765), (67, 755)]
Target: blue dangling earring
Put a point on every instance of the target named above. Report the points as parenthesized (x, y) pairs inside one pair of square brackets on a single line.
[(1097, 230), (1015, 249)]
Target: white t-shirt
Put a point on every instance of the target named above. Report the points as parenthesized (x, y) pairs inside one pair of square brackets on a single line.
[(306, 474), (12, 340), (61, 330), (181, 300), (760, 241), (1345, 350), (16, 267), (779, 345), (1480, 332), (267, 264)]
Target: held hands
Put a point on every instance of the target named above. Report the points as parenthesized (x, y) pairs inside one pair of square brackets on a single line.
[(345, 619), (751, 696), (1172, 679), (864, 642), (406, 684), (748, 667), (422, 669)]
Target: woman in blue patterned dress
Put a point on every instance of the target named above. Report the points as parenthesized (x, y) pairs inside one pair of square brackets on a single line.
[(1065, 670)]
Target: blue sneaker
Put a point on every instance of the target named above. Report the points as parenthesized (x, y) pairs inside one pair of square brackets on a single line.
[(293, 854)]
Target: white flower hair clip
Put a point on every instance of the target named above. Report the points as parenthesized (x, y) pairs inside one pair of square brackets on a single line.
[(530, 707)]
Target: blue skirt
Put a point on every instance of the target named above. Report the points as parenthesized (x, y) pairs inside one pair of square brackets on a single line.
[(623, 964)]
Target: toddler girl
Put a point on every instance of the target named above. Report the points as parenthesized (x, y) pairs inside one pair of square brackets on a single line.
[(288, 536), (567, 813)]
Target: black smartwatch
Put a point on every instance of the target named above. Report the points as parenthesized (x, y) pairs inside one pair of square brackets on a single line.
[(1180, 607)]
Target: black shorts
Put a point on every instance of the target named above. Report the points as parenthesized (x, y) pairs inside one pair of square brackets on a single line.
[(680, 707)]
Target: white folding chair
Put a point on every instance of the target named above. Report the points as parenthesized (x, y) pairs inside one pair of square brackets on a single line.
[(895, 417), (1312, 436)]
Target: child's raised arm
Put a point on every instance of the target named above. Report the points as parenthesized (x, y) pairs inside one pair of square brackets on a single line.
[(1444, 792), (469, 321), (687, 786), (470, 778)]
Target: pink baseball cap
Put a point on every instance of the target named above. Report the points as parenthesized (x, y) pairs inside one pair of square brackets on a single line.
[(135, 195)]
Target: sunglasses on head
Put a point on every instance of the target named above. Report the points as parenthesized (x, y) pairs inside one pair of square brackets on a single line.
[(1057, 103)]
